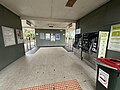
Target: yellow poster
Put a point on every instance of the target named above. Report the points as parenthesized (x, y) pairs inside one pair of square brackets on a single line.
[(103, 39)]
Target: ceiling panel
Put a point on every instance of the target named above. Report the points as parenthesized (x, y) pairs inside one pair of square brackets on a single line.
[(52, 8), (80, 8), (20, 7), (41, 11), (41, 7)]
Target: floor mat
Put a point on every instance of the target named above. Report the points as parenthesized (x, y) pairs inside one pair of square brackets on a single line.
[(66, 85)]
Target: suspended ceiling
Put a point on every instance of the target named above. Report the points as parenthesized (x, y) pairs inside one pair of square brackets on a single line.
[(51, 11)]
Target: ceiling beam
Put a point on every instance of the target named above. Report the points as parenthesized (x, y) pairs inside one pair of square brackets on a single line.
[(42, 27), (47, 19)]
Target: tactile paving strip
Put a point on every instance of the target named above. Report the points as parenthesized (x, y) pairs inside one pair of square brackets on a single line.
[(66, 85)]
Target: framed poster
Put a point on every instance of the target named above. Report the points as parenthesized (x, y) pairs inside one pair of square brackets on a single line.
[(57, 36), (42, 36), (8, 36), (47, 36), (52, 37), (19, 35), (114, 40)]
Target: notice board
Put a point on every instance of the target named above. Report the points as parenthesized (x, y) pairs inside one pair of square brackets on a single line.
[(8, 36)]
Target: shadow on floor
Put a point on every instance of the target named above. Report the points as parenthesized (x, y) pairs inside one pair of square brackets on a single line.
[(68, 49), (33, 51)]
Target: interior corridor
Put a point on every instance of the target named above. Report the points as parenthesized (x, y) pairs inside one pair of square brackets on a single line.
[(47, 65)]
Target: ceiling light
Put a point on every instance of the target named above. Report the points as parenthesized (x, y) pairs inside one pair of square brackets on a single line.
[(70, 3), (51, 25)]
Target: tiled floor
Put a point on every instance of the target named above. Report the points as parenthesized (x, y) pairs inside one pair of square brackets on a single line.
[(47, 65)]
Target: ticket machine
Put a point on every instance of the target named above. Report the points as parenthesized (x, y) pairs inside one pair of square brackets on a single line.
[(92, 44), (78, 45)]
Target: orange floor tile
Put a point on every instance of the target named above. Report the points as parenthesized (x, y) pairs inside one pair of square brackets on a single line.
[(66, 85)]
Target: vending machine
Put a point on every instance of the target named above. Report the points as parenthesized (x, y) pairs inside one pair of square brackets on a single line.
[(94, 46), (77, 40)]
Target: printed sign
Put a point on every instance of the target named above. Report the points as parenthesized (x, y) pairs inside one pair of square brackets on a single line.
[(78, 31), (9, 36), (103, 78), (42, 36), (103, 38), (114, 41), (47, 36), (52, 37)]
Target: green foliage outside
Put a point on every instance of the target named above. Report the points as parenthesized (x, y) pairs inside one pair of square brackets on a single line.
[(29, 34)]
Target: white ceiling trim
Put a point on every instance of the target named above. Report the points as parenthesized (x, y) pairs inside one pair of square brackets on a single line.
[(42, 27), (46, 19)]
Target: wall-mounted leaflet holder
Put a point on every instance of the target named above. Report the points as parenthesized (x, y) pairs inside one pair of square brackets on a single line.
[(77, 43)]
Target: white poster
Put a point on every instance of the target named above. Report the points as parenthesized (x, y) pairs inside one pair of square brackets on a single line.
[(42, 36), (103, 39), (78, 31), (114, 40), (52, 37), (19, 35), (37, 34), (47, 36), (9, 36), (103, 78)]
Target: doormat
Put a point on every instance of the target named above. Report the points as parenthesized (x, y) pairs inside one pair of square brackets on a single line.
[(66, 85)]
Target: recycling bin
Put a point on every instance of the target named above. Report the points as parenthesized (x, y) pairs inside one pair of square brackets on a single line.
[(108, 74)]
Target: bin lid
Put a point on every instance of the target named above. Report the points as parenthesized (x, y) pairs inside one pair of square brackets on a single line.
[(115, 63)]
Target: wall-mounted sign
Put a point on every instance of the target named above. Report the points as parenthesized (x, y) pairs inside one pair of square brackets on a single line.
[(19, 35), (78, 31), (57, 36), (8, 36), (52, 37), (103, 78), (42, 36), (114, 40), (28, 22), (37, 34), (47, 36), (103, 39)]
